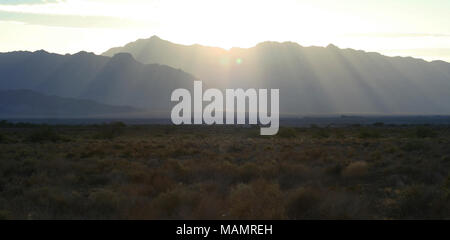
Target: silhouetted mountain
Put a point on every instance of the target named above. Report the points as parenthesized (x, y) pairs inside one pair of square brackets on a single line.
[(117, 80), (311, 79), (27, 103)]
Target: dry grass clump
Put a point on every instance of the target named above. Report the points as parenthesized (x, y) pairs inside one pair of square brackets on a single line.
[(257, 200), (356, 170), (286, 132)]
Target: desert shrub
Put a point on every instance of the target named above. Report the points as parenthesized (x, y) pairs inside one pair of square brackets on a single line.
[(198, 201), (44, 134), (321, 133), (118, 124), (339, 134), (224, 173), (254, 133), (391, 149), (110, 130), (334, 170), (419, 202), (291, 175), (304, 203), (5, 215), (182, 151), (424, 132), (355, 170), (446, 188), (160, 182), (50, 201), (415, 145), (178, 203), (317, 203), (177, 170), (249, 171), (93, 151), (315, 153), (344, 205), (287, 132), (235, 147), (210, 207), (369, 133), (105, 202), (257, 200), (445, 158)]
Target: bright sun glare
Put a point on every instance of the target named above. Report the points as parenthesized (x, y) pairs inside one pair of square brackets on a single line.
[(96, 25)]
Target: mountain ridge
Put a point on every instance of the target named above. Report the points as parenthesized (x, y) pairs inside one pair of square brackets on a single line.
[(114, 50), (311, 79), (117, 80)]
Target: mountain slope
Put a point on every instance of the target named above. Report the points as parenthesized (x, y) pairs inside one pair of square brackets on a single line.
[(117, 80), (311, 79), (27, 103)]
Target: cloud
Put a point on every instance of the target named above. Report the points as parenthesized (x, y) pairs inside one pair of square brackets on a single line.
[(76, 21), (397, 35), (75, 14), (28, 2)]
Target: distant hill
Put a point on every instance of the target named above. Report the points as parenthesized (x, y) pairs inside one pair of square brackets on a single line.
[(117, 80), (27, 103), (311, 79)]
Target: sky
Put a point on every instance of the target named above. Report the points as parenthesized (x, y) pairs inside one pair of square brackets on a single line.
[(418, 28)]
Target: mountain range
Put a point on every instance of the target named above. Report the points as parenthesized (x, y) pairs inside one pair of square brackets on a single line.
[(142, 75), (311, 79), (117, 80)]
